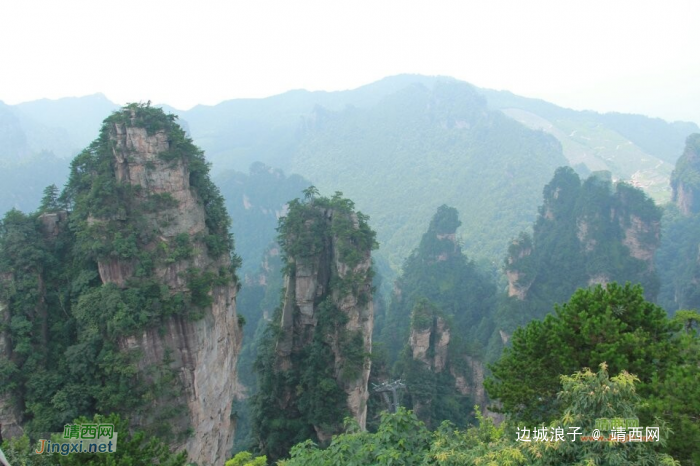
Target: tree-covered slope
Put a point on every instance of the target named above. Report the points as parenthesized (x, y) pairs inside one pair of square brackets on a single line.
[(111, 293), (439, 272), (313, 360), (419, 148), (435, 331), (587, 232), (238, 132), (677, 259)]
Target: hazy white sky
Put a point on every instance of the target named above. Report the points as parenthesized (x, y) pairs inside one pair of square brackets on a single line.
[(632, 56)]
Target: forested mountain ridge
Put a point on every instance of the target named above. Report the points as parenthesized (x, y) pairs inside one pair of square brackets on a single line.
[(120, 293), (438, 325), (677, 259), (421, 147), (438, 271), (281, 132), (685, 180), (587, 232)]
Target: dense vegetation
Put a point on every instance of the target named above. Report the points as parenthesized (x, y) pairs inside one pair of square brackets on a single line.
[(402, 439), (255, 304), (63, 324), (677, 259), (134, 448), (59, 342), (444, 295), (586, 233), (447, 147), (438, 271), (297, 400), (612, 325)]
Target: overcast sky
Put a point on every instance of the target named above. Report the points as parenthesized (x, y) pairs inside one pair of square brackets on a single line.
[(630, 56)]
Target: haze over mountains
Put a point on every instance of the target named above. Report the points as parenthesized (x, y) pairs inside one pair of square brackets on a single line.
[(488, 153), (487, 210)]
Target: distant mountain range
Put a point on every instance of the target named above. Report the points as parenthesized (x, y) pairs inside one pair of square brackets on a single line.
[(399, 147)]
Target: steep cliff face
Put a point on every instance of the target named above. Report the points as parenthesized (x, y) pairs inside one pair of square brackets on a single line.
[(587, 233), (202, 352), (145, 281), (315, 362), (678, 259), (443, 380), (519, 281), (685, 179)]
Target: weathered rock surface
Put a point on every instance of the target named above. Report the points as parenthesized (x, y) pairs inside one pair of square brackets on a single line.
[(313, 282), (685, 179), (430, 345), (579, 225), (202, 352)]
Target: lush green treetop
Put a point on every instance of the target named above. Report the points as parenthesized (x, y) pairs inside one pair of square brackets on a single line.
[(614, 324)]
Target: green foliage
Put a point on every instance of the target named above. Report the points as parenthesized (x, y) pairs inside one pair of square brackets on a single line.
[(584, 234), (423, 146), (244, 458), (423, 315), (687, 171), (403, 440), (259, 297), (305, 232), (65, 325), (49, 203), (439, 287), (316, 397), (676, 396), (439, 272), (299, 396), (431, 389), (613, 324), (676, 260), (133, 449), (256, 200)]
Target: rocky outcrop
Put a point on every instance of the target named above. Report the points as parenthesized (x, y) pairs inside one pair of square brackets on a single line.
[(636, 238), (519, 282), (587, 233), (203, 352), (685, 179), (433, 363), (148, 219), (327, 302), (53, 223)]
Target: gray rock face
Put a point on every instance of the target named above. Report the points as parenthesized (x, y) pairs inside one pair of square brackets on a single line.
[(310, 284), (686, 192), (203, 353), (431, 346)]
